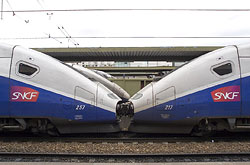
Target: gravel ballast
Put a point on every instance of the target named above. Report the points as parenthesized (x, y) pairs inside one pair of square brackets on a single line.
[(124, 148)]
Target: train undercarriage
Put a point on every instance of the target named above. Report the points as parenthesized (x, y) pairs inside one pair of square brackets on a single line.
[(211, 125), (39, 126), (125, 114)]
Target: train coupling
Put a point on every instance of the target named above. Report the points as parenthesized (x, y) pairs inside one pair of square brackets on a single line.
[(124, 114)]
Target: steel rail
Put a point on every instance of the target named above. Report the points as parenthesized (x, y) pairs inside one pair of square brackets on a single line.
[(72, 157), (110, 139)]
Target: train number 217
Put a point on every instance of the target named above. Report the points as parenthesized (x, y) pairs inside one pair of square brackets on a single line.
[(169, 107), (80, 107)]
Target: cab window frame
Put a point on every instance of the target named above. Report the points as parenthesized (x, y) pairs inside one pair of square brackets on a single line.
[(221, 64), (28, 64)]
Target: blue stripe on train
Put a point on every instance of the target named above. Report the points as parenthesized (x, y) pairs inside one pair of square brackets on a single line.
[(4, 96), (195, 105), (245, 90), (50, 104)]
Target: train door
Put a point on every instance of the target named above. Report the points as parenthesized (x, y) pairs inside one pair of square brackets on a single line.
[(4, 86), (84, 108), (102, 103), (165, 104), (245, 85)]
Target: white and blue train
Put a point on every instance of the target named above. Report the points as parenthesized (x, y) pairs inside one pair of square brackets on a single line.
[(210, 93), (41, 94)]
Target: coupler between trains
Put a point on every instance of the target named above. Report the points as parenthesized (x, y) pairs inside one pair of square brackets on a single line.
[(124, 114)]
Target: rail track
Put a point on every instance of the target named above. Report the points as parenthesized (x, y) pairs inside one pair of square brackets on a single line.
[(118, 158), (115, 148), (126, 138)]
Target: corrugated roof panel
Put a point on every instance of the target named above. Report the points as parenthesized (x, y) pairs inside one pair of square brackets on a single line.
[(127, 53)]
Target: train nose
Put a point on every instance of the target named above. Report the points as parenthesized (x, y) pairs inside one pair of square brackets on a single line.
[(125, 113), (126, 95)]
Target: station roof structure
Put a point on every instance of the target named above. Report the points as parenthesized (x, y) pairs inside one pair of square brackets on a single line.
[(127, 53)]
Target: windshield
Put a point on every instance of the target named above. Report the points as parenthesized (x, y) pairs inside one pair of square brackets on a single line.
[(137, 96)]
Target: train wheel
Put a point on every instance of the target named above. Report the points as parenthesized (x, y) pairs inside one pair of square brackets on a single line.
[(42, 126), (51, 130), (202, 129)]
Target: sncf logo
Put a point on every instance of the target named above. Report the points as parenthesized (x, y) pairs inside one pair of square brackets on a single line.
[(226, 94), (23, 94)]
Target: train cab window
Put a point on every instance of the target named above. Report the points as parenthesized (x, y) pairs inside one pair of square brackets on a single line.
[(112, 96), (26, 70), (223, 69), (137, 96)]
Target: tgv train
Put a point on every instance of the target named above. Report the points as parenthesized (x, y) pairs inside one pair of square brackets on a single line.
[(41, 94), (210, 93), (100, 77)]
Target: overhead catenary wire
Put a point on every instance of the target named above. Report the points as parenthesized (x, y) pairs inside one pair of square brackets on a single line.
[(72, 38), (10, 6), (132, 37), (49, 36), (40, 4), (27, 21), (116, 9), (61, 28), (67, 35), (14, 14)]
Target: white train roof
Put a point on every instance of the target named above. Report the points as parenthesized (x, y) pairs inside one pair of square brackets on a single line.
[(5, 50)]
